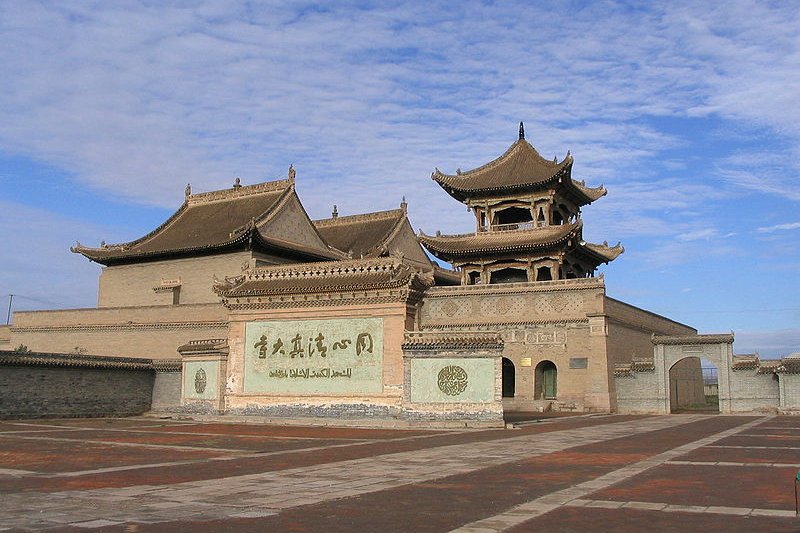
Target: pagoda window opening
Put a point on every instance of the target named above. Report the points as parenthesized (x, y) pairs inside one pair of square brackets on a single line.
[(512, 218), (544, 274), (474, 277), (579, 271), (509, 275), (558, 220), (541, 220)]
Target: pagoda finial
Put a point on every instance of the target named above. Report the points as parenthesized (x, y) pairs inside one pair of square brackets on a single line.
[(521, 131), (291, 172), (237, 183), (404, 205), (188, 190), (335, 212)]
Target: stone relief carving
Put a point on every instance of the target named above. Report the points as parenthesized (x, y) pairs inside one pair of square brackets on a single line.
[(200, 381), (452, 380), (504, 308)]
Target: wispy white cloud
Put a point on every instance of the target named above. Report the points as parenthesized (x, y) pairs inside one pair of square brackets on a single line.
[(697, 235), (138, 99), (779, 227)]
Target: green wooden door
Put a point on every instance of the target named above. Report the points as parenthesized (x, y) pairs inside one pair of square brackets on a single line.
[(549, 375)]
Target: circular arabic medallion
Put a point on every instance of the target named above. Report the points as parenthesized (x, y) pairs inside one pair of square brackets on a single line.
[(200, 381), (452, 380)]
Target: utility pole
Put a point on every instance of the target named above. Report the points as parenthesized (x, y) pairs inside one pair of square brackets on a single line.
[(8, 315)]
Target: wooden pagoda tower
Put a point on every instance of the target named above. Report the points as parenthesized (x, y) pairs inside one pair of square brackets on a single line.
[(528, 220)]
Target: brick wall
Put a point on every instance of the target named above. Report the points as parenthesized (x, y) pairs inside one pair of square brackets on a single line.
[(751, 391), (154, 332), (790, 393), (637, 392), (166, 391), (47, 388), (132, 285), (5, 338)]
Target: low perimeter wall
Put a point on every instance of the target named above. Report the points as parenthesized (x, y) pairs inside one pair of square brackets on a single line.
[(38, 385)]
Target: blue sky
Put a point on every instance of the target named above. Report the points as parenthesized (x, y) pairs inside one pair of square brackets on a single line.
[(688, 113)]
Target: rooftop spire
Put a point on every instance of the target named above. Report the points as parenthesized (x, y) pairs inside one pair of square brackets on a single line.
[(335, 212), (521, 131), (404, 205)]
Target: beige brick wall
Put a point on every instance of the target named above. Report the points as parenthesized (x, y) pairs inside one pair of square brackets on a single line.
[(151, 332), (630, 331), (132, 285), (5, 338), (539, 322)]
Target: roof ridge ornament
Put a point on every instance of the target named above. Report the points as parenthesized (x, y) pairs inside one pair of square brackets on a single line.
[(335, 212), (237, 183), (187, 192), (404, 205), (521, 131), (291, 172)]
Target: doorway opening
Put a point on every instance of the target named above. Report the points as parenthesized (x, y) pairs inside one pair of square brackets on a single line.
[(509, 378), (693, 386), (545, 381)]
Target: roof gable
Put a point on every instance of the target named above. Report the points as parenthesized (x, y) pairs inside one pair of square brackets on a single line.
[(289, 222), (205, 223), (519, 167), (364, 235)]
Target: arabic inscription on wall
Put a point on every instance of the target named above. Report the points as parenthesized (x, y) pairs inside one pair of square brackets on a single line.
[(314, 357)]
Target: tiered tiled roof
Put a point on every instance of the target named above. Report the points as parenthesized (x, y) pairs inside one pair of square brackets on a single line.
[(212, 222), (470, 244), (520, 168), (603, 252), (362, 235), (441, 340), (449, 247), (310, 278), (789, 364), (73, 360), (723, 338), (203, 346), (745, 362)]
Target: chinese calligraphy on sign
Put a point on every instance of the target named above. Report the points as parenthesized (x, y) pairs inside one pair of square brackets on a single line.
[(364, 343), (317, 356)]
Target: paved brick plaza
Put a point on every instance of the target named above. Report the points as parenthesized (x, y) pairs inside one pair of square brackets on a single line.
[(583, 473)]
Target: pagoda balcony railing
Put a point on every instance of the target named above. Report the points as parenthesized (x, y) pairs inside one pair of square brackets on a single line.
[(508, 227)]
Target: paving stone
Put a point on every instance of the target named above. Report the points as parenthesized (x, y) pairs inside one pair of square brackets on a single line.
[(773, 512), (686, 508), (93, 524), (728, 510), (340, 482), (649, 506)]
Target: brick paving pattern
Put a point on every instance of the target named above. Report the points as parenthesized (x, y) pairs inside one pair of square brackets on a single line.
[(583, 473)]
